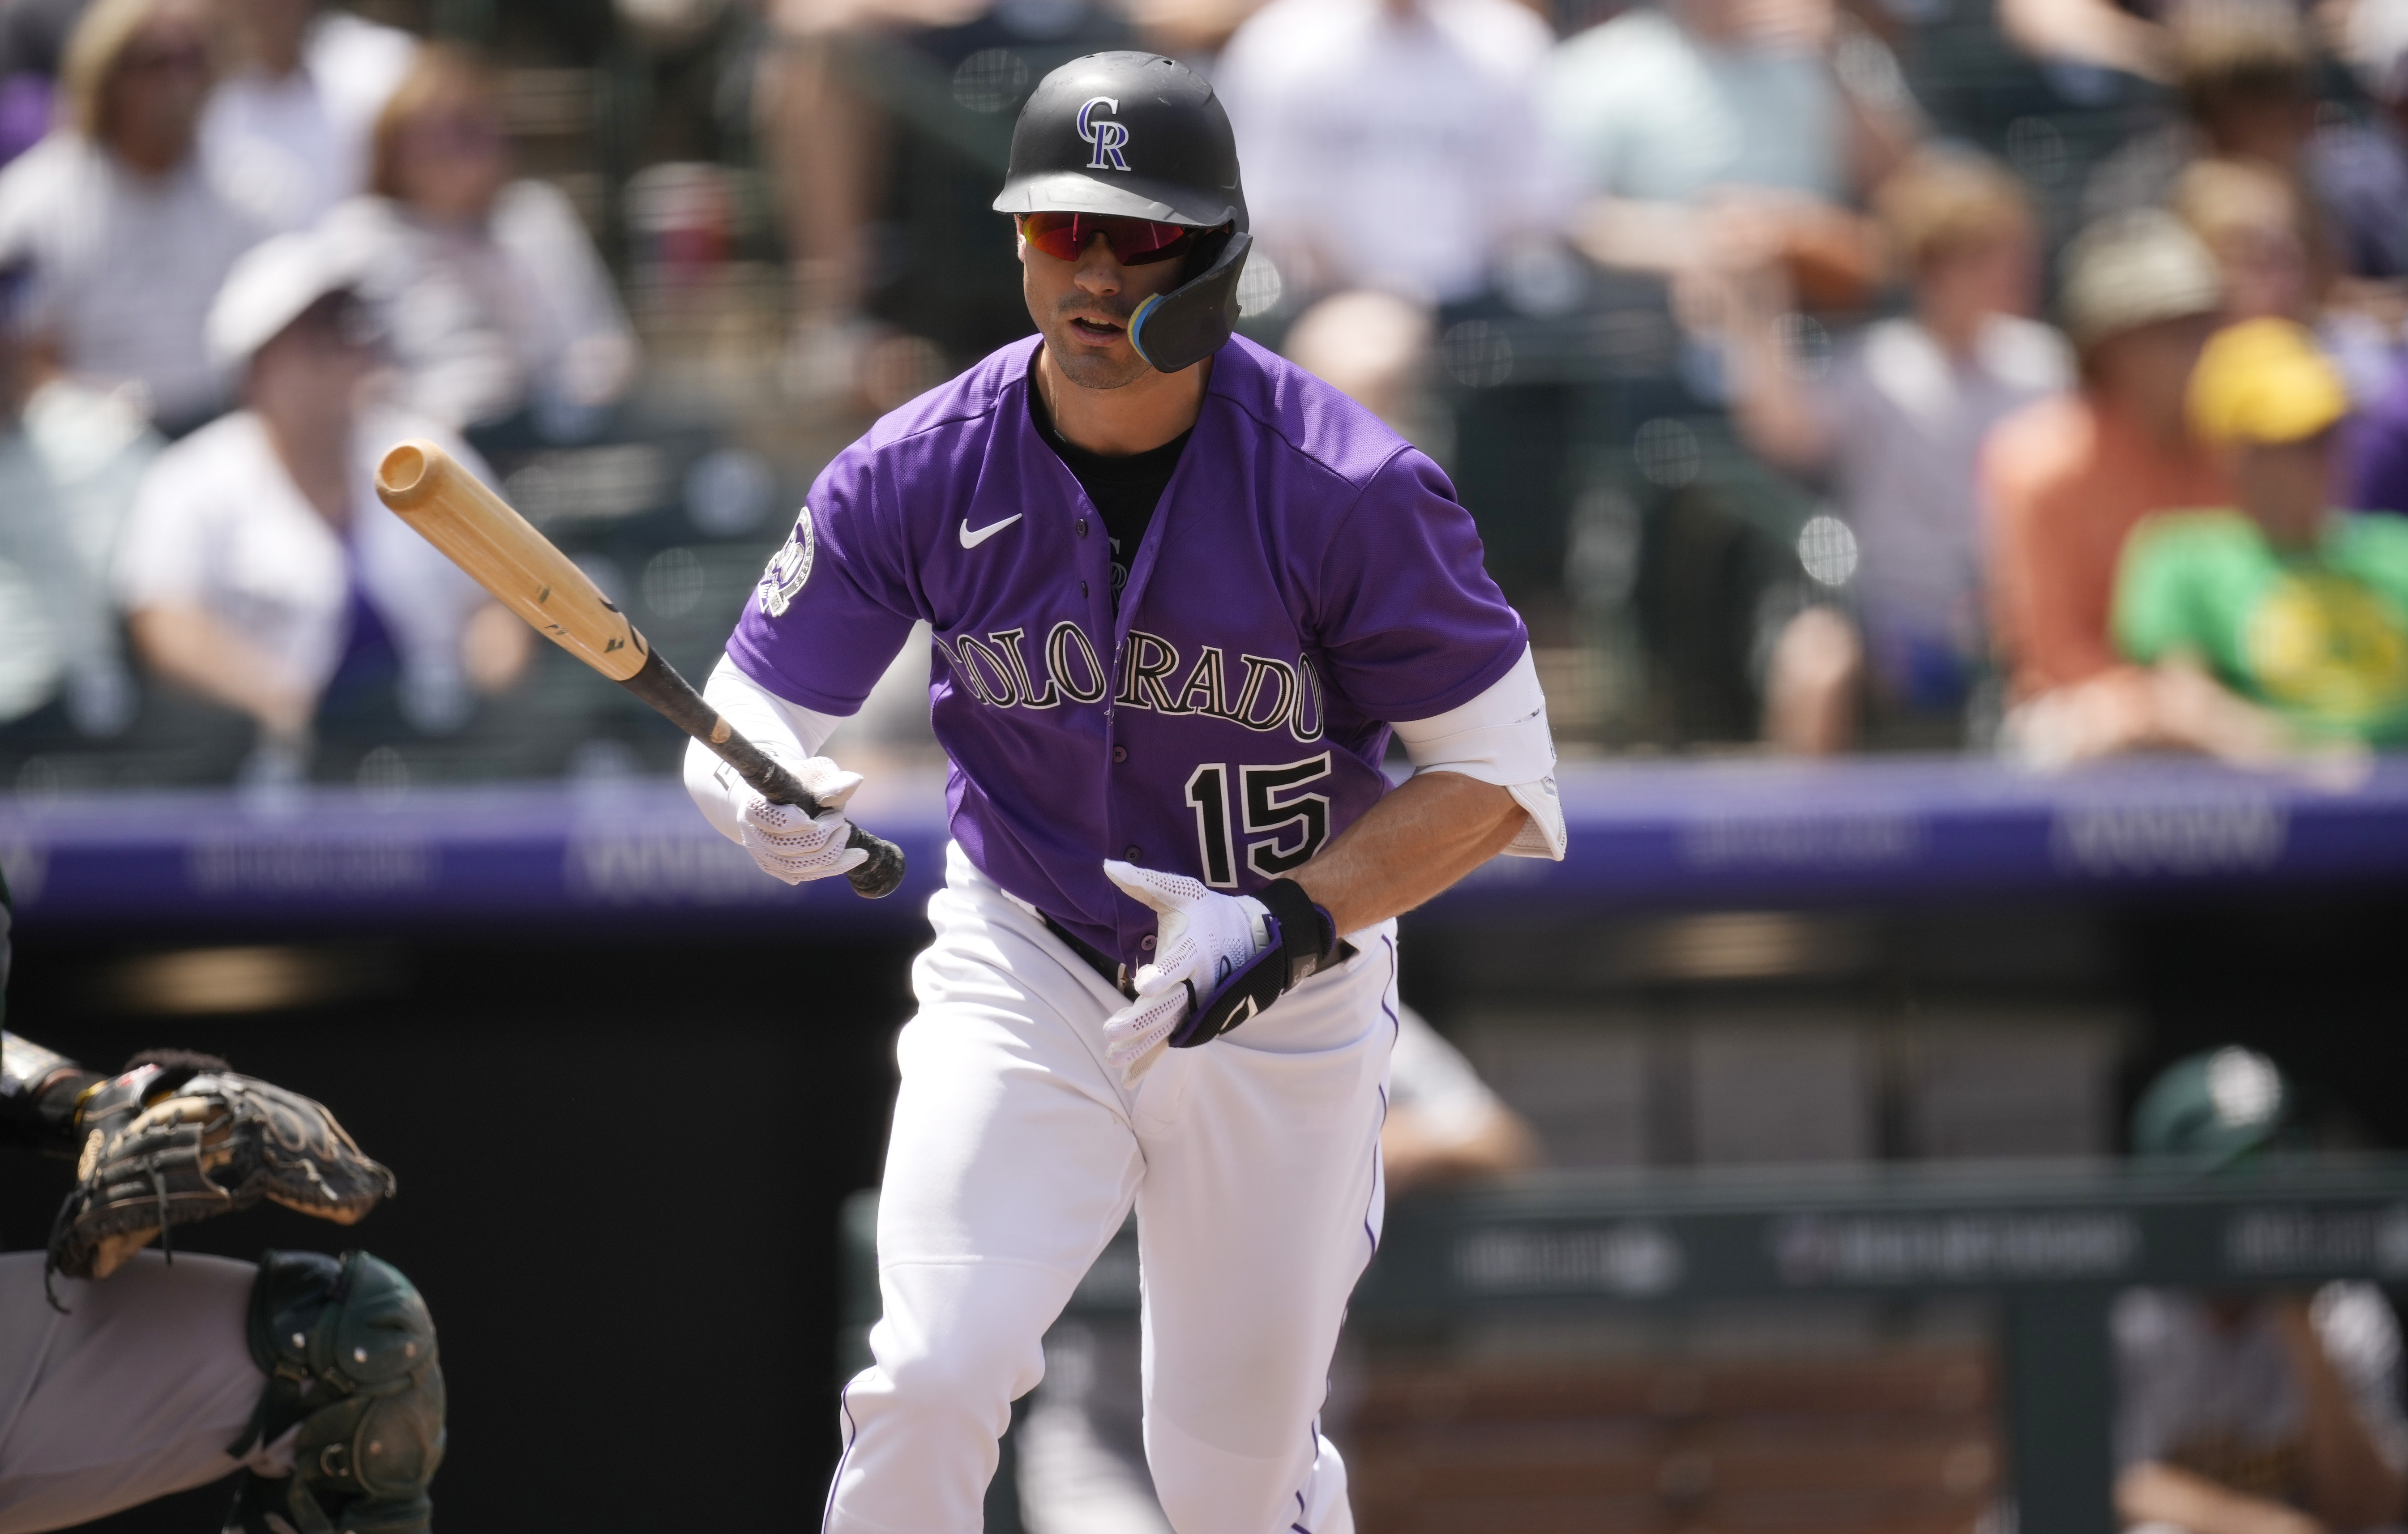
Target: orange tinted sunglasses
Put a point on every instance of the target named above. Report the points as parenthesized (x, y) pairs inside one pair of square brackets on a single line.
[(1134, 242)]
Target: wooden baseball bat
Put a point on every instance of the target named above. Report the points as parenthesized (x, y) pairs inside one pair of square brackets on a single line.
[(479, 532)]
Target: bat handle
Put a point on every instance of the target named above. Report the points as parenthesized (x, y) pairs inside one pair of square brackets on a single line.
[(872, 880), (659, 684)]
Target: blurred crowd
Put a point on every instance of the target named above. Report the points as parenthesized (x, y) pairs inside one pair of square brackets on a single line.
[(247, 248), (1827, 374)]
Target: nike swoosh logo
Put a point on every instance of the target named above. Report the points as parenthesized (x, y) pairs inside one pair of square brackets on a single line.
[(971, 541)]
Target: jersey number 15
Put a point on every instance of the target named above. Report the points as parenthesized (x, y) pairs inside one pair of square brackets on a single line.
[(1290, 825)]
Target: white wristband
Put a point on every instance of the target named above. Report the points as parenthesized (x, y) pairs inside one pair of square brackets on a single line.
[(1501, 737)]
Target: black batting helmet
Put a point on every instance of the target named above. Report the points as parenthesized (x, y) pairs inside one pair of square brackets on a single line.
[(1142, 137)]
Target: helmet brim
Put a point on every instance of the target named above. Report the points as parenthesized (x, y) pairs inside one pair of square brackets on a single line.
[(1121, 195)]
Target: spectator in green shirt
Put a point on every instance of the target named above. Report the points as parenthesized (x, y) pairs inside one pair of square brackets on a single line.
[(2277, 629)]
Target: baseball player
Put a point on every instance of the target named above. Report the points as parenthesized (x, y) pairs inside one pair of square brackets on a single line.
[(126, 1374), (1181, 594)]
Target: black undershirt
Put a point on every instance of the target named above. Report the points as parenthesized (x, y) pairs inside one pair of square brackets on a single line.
[(1124, 489)]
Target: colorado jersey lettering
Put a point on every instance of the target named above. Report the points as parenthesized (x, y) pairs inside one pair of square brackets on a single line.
[(1270, 695), (1308, 577)]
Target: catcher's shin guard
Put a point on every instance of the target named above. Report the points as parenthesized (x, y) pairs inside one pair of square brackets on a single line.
[(350, 1353)]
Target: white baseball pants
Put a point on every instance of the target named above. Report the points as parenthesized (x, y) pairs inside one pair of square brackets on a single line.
[(1252, 1162)]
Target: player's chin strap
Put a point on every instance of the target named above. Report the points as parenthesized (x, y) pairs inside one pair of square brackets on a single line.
[(1299, 938), (349, 1354), (1181, 329)]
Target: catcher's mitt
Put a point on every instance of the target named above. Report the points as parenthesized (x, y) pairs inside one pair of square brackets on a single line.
[(165, 1146)]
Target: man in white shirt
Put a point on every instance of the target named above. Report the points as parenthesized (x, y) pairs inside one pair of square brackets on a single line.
[(1391, 143), (259, 569), (1394, 164), (286, 134)]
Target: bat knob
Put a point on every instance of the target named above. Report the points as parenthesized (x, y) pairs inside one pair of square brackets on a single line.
[(880, 876), (405, 474)]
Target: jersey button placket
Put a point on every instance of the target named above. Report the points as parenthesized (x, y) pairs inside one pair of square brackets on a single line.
[(1131, 853)]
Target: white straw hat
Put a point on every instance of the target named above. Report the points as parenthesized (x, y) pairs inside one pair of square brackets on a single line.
[(2133, 269), (270, 286)]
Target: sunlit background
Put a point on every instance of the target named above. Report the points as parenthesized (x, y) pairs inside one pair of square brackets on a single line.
[(1814, 1186)]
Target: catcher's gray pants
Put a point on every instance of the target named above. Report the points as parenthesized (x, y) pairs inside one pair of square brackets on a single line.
[(134, 1394)]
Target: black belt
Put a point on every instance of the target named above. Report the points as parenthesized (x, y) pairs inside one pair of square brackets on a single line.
[(1113, 972)]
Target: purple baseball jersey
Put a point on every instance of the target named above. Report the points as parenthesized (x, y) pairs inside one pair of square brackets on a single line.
[(1308, 577)]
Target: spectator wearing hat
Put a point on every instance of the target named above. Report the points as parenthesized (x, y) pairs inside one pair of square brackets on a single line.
[(258, 568), (2250, 1414), (1898, 426), (2277, 626), (2064, 481), (126, 237), (2248, 78)]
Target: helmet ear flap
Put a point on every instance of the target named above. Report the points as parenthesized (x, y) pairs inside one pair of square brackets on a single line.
[(1178, 329)]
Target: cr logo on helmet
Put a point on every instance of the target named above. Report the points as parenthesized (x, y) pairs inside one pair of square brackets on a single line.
[(1108, 136)]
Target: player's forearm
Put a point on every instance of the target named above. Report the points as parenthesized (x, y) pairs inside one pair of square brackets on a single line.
[(2152, 1492), (1410, 847)]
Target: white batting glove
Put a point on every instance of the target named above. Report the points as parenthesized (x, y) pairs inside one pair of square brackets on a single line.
[(1201, 939), (790, 845)]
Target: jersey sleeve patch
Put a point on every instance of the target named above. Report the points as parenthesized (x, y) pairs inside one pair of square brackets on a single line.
[(789, 567)]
